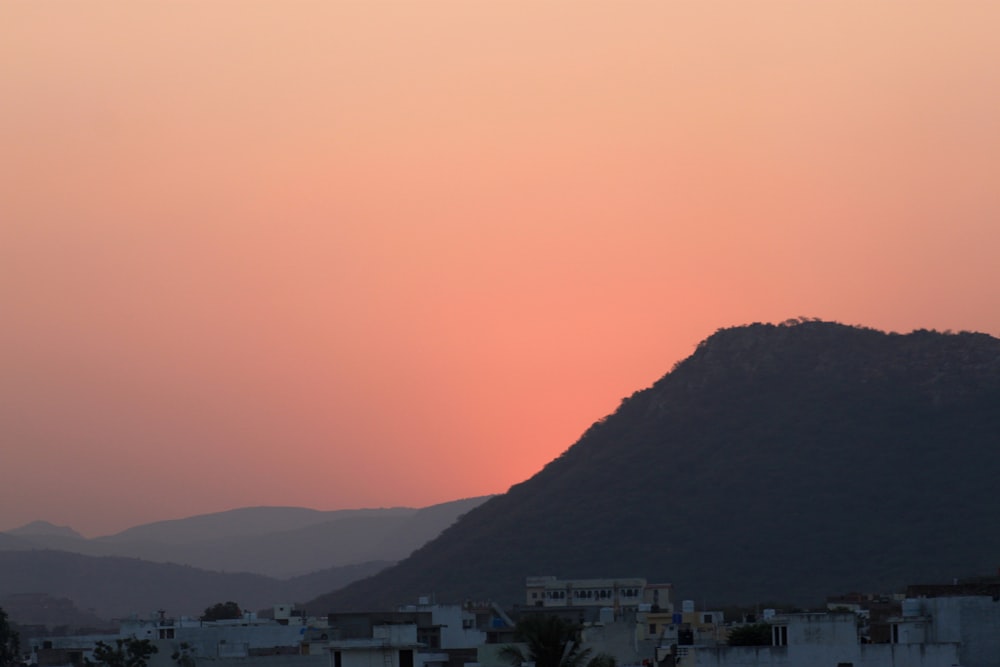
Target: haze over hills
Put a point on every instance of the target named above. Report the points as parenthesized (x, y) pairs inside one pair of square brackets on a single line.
[(776, 462), (52, 575), (112, 587), (279, 542)]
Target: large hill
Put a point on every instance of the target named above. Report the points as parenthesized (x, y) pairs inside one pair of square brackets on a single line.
[(778, 461)]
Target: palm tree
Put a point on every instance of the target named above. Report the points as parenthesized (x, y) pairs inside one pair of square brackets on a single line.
[(550, 642)]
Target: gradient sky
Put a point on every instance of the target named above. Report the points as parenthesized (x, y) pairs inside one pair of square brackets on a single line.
[(357, 254)]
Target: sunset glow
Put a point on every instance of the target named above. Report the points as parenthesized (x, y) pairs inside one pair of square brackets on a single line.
[(358, 254)]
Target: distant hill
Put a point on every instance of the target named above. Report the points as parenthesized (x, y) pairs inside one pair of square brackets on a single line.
[(278, 542), (776, 462), (44, 528), (109, 587), (242, 523), (34, 609)]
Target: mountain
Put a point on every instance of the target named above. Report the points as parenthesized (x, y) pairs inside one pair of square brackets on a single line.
[(242, 523), (776, 462), (44, 528), (279, 542)]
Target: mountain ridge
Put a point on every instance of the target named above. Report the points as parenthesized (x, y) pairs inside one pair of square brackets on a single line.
[(280, 544), (792, 460)]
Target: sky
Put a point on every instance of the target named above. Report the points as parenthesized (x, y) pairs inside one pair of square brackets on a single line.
[(372, 254)]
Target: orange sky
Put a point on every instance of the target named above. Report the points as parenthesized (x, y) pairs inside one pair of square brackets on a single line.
[(345, 254)]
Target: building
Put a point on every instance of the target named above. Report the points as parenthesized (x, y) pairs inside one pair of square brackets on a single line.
[(963, 614), (808, 639), (620, 595), (388, 646)]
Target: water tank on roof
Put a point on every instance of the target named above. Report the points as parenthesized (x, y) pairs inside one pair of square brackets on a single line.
[(768, 614), (687, 606), (911, 607)]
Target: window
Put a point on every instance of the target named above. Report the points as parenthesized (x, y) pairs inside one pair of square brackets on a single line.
[(779, 635), (337, 659), (652, 628), (895, 633)]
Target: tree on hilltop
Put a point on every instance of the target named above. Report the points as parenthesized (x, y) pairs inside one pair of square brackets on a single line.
[(222, 611)]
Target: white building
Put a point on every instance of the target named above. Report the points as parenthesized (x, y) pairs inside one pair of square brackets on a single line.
[(389, 646), (804, 640), (618, 594), (971, 621)]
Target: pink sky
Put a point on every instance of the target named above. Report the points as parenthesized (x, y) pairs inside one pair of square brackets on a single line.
[(377, 253)]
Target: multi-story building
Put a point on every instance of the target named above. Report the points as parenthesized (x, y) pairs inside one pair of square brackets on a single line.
[(620, 595)]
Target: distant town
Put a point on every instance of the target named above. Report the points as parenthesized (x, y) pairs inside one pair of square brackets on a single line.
[(611, 622)]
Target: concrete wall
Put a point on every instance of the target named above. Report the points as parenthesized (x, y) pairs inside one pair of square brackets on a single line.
[(163, 660), (868, 655), (454, 634), (620, 640), (739, 656), (907, 655), (974, 621)]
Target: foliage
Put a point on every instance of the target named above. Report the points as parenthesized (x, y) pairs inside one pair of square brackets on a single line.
[(130, 652), (10, 644), (758, 634), (551, 642), (222, 611), (184, 655), (603, 660)]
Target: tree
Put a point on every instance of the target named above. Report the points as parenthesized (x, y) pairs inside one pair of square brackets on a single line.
[(10, 643), (603, 660), (758, 634), (130, 652), (222, 611), (550, 642), (184, 655)]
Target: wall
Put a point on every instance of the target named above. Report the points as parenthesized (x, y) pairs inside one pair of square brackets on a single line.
[(972, 620)]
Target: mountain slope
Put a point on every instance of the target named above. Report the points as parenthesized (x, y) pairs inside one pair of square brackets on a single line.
[(785, 461)]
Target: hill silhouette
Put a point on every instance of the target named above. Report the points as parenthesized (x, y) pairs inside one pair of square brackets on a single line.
[(776, 462)]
